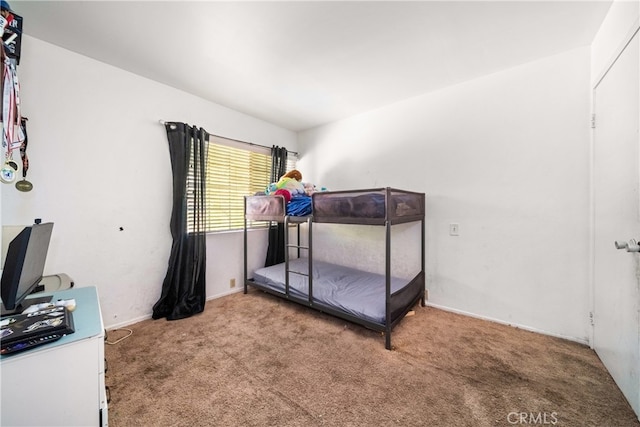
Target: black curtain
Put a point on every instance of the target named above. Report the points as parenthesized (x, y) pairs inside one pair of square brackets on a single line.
[(275, 250), (184, 286)]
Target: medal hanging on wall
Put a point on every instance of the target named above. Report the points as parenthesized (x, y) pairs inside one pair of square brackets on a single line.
[(9, 171), (24, 185)]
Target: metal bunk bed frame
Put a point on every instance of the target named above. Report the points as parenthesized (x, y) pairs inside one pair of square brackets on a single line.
[(390, 321)]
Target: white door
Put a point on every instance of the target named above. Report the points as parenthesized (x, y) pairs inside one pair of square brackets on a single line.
[(616, 333)]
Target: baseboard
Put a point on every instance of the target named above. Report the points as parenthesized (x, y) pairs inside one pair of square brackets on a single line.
[(127, 323), (229, 292), (515, 325), (148, 316)]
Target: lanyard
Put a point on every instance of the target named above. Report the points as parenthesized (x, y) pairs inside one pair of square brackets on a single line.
[(10, 116), (11, 135)]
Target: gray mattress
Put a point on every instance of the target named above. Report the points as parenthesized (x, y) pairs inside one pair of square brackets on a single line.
[(356, 292), (367, 204), (372, 207)]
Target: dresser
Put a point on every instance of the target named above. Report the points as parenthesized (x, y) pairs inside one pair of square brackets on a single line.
[(61, 383)]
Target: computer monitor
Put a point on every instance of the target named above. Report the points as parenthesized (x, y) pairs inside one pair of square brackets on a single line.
[(23, 267)]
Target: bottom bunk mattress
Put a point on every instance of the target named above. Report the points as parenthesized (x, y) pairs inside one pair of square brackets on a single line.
[(358, 293)]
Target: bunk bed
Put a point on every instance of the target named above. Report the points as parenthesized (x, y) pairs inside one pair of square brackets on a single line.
[(375, 301)]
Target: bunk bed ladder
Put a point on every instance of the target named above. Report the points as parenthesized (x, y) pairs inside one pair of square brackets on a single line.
[(298, 246)]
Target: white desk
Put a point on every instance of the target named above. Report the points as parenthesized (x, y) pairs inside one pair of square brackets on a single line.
[(61, 383)]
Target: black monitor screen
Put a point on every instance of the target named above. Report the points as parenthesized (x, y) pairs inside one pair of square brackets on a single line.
[(24, 264)]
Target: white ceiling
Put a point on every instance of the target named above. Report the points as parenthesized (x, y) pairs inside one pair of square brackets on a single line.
[(300, 64)]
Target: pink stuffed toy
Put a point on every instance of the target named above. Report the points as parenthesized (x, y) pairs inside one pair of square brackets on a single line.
[(284, 193)]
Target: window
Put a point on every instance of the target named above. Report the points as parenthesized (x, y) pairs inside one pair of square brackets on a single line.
[(234, 170)]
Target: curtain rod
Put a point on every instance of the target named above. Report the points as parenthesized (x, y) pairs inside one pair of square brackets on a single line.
[(162, 122)]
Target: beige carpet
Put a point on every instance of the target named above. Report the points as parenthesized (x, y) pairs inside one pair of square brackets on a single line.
[(256, 360)]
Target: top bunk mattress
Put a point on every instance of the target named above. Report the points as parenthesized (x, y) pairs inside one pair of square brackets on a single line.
[(265, 208), (371, 206)]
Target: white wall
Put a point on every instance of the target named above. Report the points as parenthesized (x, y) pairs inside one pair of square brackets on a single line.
[(507, 158), (616, 30), (99, 162)]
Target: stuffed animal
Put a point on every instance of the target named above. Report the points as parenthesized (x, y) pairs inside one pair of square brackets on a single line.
[(295, 174), (284, 193), (310, 188), (289, 182)]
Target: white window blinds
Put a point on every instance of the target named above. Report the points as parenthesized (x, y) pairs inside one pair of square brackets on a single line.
[(234, 170)]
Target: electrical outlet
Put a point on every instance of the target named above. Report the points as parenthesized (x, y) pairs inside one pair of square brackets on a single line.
[(454, 230), (232, 283)]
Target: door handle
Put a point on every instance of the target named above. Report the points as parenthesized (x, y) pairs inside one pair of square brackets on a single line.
[(621, 245), (632, 246)]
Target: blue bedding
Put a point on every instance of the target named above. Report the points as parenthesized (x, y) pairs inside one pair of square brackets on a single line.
[(299, 206), (353, 291)]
